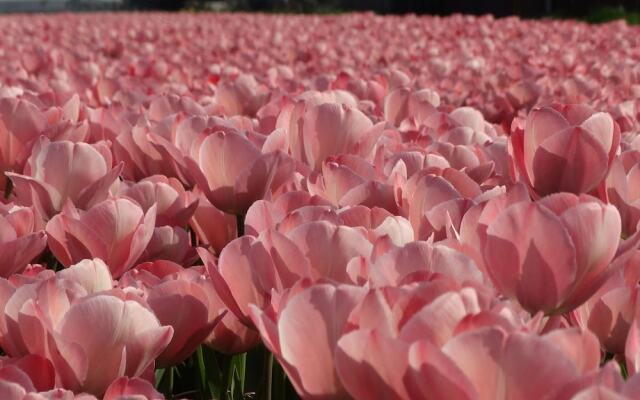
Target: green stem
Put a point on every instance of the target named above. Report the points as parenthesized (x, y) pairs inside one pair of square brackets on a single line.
[(159, 377), (201, 369), (164, 381), (269, 386), (242, 368), (170, 384), (230, 388), (623, 370)]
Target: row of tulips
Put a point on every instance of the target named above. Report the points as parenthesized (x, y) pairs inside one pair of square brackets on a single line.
[(245, 215)]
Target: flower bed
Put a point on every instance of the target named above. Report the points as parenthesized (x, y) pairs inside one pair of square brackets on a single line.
[(277, 206)]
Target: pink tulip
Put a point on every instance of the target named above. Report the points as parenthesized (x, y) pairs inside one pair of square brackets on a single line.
[(127, 388), (230, 335), (477, 160), (135, 332), (263, 214), (165, 147), (605, 383), (135, 149), (396, 207), (20, 241), (212, 227), (178, 298), (68, 122), (372, 360), (348, 185), (632, 344), (308, 214), (371, 365), (174, 205), (92, 276), (32, 273), (303, 336), (82, 279), (29, 374), (233, 173), (491, 364), (317, 131), (399, 263), (61, 171), (250, 269), (171, 244), (21, 123), (50, 318), (621, 184), (474, 224), (435, 202), (379, 222), (609, 313), (329, 248), (563, 238), (565, 149), (243, 96), (165, 106), (403, 103), (117, 231)]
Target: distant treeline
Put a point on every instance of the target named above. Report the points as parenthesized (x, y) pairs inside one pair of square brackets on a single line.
[(525, 8), (169, 5)]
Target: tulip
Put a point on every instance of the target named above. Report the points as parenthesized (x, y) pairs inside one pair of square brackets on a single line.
[(610, 312), (233, 173), (174, 205), (135, 334), (61, 171), (263, 214), (346, 186), (303, 336), (50, 318), (164, 106), (379, 222), (317, 131), (491, 364), (565, 149), (329, 248), (178, 298), (82, 279), (372, 360), (28, 374), (165, 147), (171, 244), (212, 226), (135, 148), (127, 388), (621, 184), (250, 269), (435, 202), (65, 122), (243, 96), (117, 231), (564, 239), (399, 263), (20, 242), (402, 103), (21, 123)]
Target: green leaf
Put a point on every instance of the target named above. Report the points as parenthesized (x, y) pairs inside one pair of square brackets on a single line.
[(159, 375)]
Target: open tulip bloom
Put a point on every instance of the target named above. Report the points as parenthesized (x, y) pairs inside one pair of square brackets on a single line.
[(230, 206)]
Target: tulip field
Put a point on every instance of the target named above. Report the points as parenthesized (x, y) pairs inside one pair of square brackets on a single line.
[(263, 206)]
